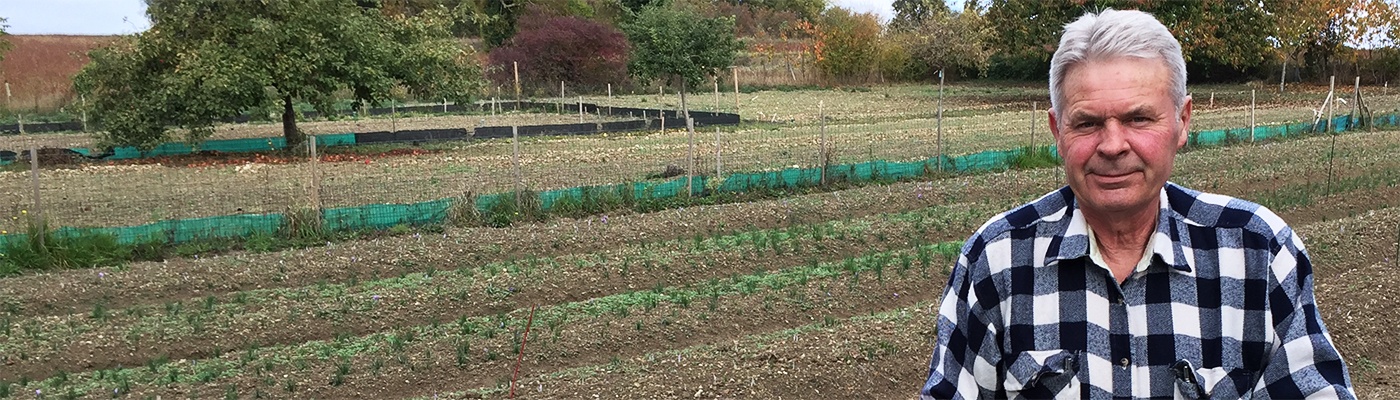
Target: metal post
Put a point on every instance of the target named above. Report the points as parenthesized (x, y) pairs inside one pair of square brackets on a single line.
[(940, 120), (1252, 125), (444, 105), (393, 113), (1034, 106), (561, 97), (580, 109)]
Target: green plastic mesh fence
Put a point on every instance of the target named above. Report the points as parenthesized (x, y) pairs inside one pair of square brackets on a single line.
[(381, 216)]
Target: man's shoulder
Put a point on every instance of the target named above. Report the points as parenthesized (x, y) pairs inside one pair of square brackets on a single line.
[(1221, 211), (1051, 207)]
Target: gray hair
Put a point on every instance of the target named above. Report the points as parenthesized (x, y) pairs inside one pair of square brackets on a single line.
[(1112, 34)]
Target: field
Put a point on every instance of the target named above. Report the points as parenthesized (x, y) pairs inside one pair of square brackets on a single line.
[(815, 294), (40, 69)]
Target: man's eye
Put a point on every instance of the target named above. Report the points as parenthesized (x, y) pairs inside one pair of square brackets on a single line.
[(1141, 119), (1085, 125)]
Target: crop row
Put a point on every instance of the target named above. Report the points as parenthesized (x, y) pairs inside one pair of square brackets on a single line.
[(570, 334)]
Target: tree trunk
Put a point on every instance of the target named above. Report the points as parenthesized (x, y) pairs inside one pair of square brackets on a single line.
[(289, 123)]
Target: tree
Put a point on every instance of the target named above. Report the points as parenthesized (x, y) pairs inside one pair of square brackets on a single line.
[(678, 44), (909, 14), (952, 41), (204, 60), (552, 48), (4, 44), (847, 43)]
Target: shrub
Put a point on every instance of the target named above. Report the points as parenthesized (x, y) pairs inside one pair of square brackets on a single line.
[(551, 48), (847, 43)]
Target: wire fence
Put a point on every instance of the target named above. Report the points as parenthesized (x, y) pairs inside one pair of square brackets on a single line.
[(229, 195)]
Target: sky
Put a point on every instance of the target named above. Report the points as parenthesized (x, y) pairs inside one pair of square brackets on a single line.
[(74, 17), (116, 17)]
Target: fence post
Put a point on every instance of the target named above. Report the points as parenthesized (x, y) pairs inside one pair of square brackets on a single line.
[(1355, 105), (493, 106), (1252, 124), (717, 159), (37, 217), (83, 99), (736, 88), (1034, 106), (822, 159), (561, 97), (444, 105), (393, 116), (315, 173), (716, 79), (580, 109), (940, 120), (516, 65), (690, 157), (1331, 108), (1212, 99), (515, 162)]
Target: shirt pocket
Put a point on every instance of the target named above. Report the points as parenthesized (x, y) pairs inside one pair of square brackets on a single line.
[(1210, 383), (1043, 374)]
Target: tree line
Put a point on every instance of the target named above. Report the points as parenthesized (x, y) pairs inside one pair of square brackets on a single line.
[(204, 60)]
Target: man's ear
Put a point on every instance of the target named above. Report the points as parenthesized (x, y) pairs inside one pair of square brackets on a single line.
[(1185, 119), (1055, 131)]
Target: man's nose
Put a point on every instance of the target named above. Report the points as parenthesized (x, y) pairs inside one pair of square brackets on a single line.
[(1113, 139)]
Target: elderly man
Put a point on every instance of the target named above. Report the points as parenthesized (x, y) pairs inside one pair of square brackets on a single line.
[(1122, 285)]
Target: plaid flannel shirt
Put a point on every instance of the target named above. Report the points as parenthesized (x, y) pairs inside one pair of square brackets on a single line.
[(1225, 309)]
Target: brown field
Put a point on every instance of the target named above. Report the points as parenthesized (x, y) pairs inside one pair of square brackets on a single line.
[(40, 69)]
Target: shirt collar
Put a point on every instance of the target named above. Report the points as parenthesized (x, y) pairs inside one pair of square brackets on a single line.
[(1165, 243)]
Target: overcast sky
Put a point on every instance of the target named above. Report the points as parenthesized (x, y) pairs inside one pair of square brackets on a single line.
[(74, 17), (115, 17)]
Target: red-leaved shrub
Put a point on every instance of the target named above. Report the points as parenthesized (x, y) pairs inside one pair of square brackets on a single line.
[(551, 48)]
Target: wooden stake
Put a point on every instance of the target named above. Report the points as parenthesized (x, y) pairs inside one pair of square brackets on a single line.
[(37, 217), (516, 65), (1355, 104), (1033, 109), (1252, 125), (561, 97), (444, 105), (580, 109), (1212, 99), (520, 358)]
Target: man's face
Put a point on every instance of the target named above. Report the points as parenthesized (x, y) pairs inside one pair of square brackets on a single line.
[(1118, 132)]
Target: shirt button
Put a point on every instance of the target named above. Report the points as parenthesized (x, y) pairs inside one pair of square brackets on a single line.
[(1123, 362)]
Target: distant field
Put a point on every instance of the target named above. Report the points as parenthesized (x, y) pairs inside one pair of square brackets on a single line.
[(40, 69)]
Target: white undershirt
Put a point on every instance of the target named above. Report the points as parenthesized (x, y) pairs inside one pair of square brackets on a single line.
[(1097, 256)]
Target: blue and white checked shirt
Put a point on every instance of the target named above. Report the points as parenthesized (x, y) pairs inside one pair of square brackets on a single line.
[(1225, 309)]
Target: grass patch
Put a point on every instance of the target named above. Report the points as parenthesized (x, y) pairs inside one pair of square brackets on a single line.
[(1034, 157)]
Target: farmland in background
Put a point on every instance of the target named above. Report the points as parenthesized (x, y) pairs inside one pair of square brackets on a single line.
[(40, 69), (833, 292)]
